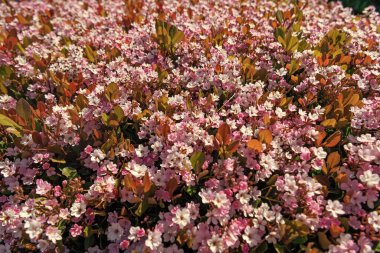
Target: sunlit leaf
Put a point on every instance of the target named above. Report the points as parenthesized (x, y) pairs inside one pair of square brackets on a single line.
[(255, 145), (265, 136), (333, 140)]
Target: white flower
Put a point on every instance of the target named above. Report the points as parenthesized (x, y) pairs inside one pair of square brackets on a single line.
[(33, 228), (97, 155), (220, 199), (244, 197), (374, 220), (252, 111), (114, 232), (281, 72), (280, 113), (215, 244), (319, 152), (77, 209), (135, 233), (251, 236), (53, 234), (182, 217), (137, 170), (370, 179), (335, 208), (7, 168), (154, 240), (366, 138)]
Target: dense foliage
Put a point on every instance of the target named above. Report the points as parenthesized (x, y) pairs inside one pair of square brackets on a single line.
[(189, 126)]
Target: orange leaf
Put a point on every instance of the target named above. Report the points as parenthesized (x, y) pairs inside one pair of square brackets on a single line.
[(341, 177), (265, 136), (255, 145), (320, 138), (336, 230), (329, 123), (223, 136), (147, 183), (172, 185), (129, 183), (333, 140), (233, 147), (333, 159)]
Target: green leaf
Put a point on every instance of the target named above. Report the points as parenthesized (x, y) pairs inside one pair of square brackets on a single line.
[(69, 172), (119, 113), (57, 160), (5, 121), (143, 206), (262, 248), (24, 110), (377, 247), (178, 36), (90, 54), (279, 16), (300, 240), (279, 248), (323, 240), (89, 241), (197, 160), (87, 231), (105, 119)]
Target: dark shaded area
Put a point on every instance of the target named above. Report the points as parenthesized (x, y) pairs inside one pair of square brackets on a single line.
[(359, 5)]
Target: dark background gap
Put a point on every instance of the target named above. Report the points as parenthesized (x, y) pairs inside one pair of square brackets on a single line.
[(359, 5)]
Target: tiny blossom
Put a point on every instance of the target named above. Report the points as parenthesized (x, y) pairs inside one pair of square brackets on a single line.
[(182, 217), (43, 187), (370, 179), (374, 220), (115, 232), (137, 170), (33, 228), (76, 230), (335, 208), (135, 233), (189, 126), (78, 208), (220, 199), (251, 236), (53, 234), (154, 239), (97, 155)]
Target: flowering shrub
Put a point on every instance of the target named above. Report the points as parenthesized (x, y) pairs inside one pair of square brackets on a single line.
[(189, 126)]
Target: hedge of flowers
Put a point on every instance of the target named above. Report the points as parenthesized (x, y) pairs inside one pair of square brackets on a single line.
[(189, 126)]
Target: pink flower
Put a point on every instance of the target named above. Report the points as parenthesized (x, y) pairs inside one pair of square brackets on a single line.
[(76, 230), (43, 187), (370, 179), (124, 244), (335, 208), (182, 217), (53, 234)]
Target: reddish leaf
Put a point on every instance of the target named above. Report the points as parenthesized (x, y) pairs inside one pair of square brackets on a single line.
[(319, 139), (223, 136), (172, 185), (233, 147), (255, 145), (336, 230), (129, 183), (265, 136), (147, 182), (333, 140), (333, 159)]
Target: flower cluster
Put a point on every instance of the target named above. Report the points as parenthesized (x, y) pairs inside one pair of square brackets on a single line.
[(189, 126)]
